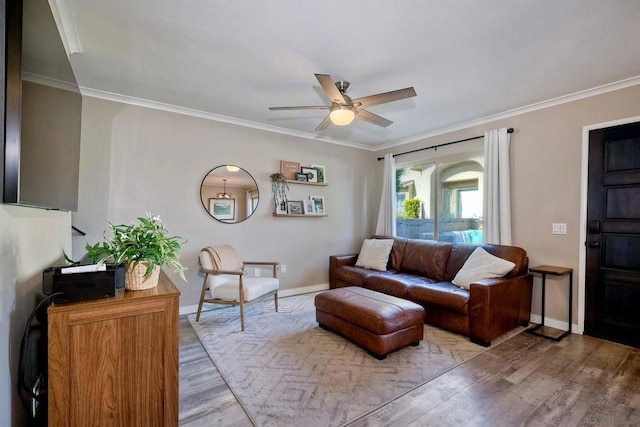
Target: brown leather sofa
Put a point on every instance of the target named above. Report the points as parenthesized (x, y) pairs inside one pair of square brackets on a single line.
[(422, 270)]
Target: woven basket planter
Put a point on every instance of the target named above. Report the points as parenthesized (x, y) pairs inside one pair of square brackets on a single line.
[(136, 280)]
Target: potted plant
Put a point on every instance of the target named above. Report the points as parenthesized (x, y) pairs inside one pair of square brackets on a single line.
[(279, 187), (143, 247)]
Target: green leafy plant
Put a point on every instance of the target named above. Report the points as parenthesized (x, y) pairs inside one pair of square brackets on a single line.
[(144, 241), (279, 187), (412, 208)]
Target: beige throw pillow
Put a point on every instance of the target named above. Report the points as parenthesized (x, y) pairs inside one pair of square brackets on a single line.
[(481, 265), (375, 254)]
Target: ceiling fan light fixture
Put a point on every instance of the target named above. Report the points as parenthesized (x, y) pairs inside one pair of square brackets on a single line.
[(341, 115)]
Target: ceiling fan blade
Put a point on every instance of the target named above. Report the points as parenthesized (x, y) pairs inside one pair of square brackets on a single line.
[(382, 98), (368, 116), (324, 124), (302, 107), (330, 88)]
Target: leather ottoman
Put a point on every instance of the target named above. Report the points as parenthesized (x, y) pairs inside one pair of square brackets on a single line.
[(377, 322)]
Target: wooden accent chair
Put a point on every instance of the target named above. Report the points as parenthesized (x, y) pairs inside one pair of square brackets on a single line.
[(225, 279)]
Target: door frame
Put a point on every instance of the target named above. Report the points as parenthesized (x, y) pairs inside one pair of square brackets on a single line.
[(582, 250)]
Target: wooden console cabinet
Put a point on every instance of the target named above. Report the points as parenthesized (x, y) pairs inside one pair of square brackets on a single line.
[(114, 361)]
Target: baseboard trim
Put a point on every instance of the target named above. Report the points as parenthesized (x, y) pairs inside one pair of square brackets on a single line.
[(190, 309), (557, 324)]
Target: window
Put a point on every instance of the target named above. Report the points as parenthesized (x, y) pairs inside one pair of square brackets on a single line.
[(441, 201)]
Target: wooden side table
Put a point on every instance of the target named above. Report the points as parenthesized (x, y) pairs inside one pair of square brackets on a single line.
[(554, 271)]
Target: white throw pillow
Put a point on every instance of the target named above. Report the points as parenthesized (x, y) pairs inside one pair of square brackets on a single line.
[(481, 265), (375, 254)]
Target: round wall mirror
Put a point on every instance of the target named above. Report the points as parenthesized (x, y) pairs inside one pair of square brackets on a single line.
[(229, 194)]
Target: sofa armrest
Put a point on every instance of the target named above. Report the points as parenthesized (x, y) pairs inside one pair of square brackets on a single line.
[(336, 261), (498, 305)]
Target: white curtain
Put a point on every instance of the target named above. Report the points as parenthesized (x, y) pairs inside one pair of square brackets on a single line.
[(497, 188), (386, 214)]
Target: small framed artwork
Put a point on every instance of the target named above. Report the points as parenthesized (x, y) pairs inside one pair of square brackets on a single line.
[(302, 177), (322, 173), (289, 169), (308, 207), (295, 207), (318, 205), (222, 209), (312, 173)]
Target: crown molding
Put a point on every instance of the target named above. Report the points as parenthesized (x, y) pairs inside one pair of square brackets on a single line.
[(599, 90), (63, 15), (48, 81), (95, 93), (610, 87)]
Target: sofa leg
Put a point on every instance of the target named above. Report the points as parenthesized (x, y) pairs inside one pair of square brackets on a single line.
[(480, 342), (377, 356)]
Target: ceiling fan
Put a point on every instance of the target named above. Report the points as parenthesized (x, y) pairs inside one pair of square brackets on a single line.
[(344, 109)]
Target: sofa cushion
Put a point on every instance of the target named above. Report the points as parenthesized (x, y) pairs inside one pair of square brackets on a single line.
[(441, 295), (481, 265), (374, 254), (397, 252), (394, 284), (353, 275), (461, 251), (426, 258)]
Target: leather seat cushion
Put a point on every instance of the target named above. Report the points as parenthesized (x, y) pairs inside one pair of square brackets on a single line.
[(442, 295), (379, 313), (253, 287), (357, 275), (397, 284)]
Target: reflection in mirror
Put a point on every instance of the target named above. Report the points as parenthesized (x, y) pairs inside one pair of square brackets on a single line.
[(229, 194)]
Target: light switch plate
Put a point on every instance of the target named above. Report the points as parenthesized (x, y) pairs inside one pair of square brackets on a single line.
[(559, 228)]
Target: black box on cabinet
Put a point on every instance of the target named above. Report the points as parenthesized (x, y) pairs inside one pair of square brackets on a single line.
[(77, 284)]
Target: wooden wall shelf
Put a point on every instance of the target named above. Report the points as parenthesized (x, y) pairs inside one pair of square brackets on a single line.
[(307, 183), (301, 215)]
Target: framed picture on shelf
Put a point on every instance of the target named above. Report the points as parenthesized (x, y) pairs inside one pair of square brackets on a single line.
[(281, 207), (322, 173), (295, 207), (222, 208), (289, 169), (308, 207), (318, 205), (312, 173), (302, 177)]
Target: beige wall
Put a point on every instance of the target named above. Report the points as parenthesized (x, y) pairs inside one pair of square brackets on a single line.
[(178, 151), (546, 174), (136, 160), (30, 241)]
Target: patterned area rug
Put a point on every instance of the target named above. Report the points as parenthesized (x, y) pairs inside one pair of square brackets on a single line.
[(285, 370)]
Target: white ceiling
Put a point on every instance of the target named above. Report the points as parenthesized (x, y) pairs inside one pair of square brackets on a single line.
[(467, 59)]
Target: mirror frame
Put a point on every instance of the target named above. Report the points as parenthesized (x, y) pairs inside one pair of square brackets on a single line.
[(232, 206)]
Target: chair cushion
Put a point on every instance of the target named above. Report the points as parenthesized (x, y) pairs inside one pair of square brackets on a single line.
[(224, 257), (253, 287)]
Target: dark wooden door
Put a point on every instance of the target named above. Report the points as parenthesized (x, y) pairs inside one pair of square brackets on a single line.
[(613, 235)]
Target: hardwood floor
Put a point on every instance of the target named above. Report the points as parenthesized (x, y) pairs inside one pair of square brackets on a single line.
[(527, 380)]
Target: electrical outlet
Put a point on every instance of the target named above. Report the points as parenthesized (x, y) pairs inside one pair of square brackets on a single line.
[(558, 228), (283, 268), (256, 272)]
